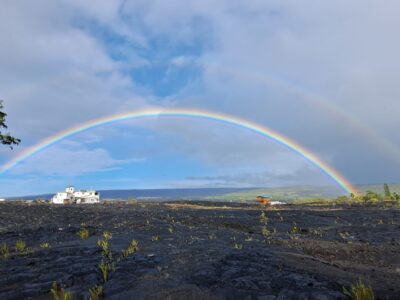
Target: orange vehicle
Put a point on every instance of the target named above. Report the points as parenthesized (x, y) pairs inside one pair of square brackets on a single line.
[(264, 200)]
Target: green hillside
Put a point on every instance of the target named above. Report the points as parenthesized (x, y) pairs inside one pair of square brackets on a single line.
[(291, 194)]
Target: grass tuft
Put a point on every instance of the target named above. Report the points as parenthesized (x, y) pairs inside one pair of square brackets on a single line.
[(104, 246), (59, 294), (265, 232), (20, 246), (45, 245), (107, 235), (295, 230), (132, 248), (4, 251), (96, 292), (238, 246), (83, 233), (263, 218), (360, 291), (105, 270)]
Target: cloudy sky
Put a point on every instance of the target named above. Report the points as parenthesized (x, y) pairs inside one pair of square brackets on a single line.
[(324, 74)]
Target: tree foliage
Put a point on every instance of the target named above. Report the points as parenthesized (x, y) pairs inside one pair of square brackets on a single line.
[(387, 190), (370, 198), (6, 138)]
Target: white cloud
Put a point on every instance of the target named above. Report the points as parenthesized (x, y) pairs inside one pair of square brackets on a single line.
[(55, 75), (70, 159)]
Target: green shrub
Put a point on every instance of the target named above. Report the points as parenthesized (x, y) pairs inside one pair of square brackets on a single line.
[(132, 248), (20, 246), (4, 251), (295, 230), (265, 232), (360, 291), (104, 246), (105, 270), (83, 233), (59, 294), (263, 218), (107, 235), (45, 245), (96, 292)]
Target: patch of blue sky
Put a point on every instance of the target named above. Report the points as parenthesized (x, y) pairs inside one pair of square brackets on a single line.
[(155, 172), (164, 80), (127, 141), (152, 65), (118, 46), (162, 75)]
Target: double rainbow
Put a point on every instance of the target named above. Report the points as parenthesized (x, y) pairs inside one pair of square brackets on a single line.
[(192, 113)]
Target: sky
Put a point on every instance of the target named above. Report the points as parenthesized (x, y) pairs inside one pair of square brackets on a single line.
[(324, 74)]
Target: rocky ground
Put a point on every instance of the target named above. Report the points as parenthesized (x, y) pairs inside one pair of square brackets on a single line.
[(199, 251)]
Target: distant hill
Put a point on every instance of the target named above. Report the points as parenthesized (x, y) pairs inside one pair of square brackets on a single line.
[(287, 194), (228, 194), (181, 194), (295, 193)]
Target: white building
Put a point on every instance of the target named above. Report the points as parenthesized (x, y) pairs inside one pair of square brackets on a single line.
[(78, 197), (277, 203)]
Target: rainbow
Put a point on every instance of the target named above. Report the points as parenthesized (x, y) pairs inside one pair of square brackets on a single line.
[(193, 113), (316, 100)]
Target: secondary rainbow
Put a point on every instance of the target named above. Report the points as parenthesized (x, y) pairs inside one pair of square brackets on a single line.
[(192, 113)]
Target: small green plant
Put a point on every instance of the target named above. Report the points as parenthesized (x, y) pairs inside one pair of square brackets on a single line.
[(59, 294), (83, 233), (96, 292), (360, 291), (316, 232), (20, 246), (265, 232), (237, 246), (170, 230), (132, 248), (104, 246), (4, 251), (263, 218), (105, 269), (45, 245), (346, 237), (295, 230), (107, 235), (155, 238)]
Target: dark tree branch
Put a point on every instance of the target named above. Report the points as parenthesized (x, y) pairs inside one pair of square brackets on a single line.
[(6, 138)]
